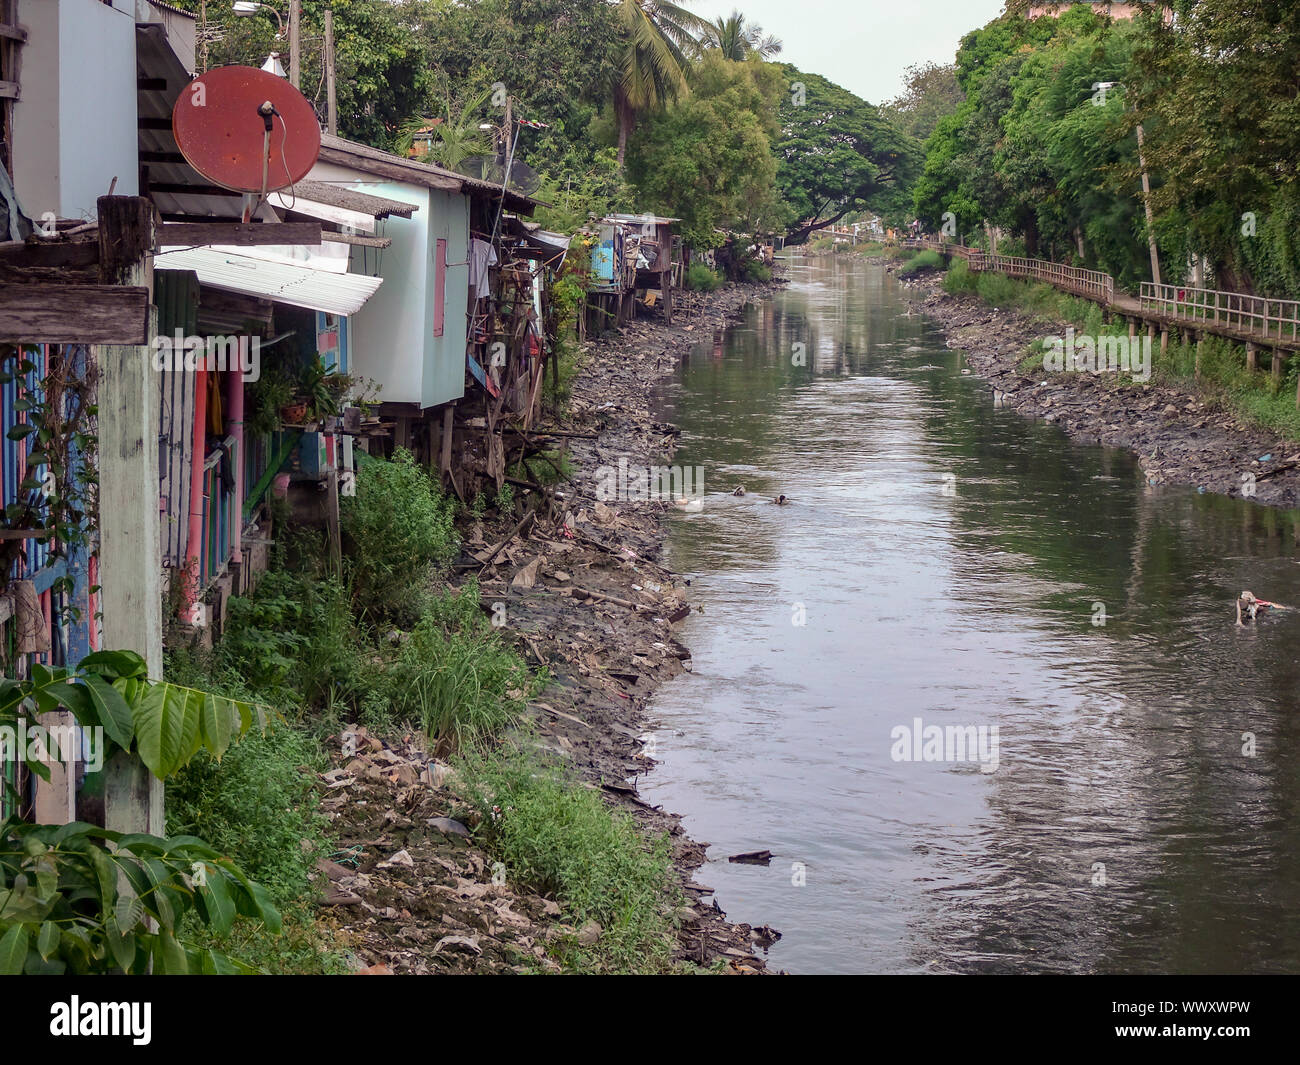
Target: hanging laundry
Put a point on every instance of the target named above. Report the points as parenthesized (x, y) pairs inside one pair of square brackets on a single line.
[(481, 256)]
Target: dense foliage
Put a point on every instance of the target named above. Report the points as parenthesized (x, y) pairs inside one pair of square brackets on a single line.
[(1044, 147)]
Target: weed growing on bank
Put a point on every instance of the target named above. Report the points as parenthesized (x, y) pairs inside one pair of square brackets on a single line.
[(925, 260), (257, 805), (399, 527), (558, 837)]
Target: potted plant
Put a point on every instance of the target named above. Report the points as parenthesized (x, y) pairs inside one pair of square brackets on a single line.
[(267, 399)]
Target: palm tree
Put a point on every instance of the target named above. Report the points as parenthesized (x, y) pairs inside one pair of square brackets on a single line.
[(737, 40), (448, 140), (654, 61)]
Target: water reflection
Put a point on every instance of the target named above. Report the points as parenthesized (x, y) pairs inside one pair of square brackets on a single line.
[(954, 563)]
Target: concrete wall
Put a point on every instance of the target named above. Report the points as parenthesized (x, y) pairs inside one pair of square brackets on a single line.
[(392, 335), (75, 125)]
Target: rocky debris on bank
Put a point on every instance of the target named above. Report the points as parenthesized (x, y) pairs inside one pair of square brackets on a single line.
[(586, 597), (1180, 437)]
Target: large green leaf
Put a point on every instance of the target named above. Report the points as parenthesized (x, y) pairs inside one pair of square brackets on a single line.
[(13, 951), (218, 723), (160, 728), (215, 896), (112, 709), (114, 664)]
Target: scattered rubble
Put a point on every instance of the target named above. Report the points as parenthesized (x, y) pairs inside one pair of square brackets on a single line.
[(409, 891)]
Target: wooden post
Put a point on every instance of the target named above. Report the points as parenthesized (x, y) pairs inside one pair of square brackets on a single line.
[(1200, 343), (130, 550), (667, 282), (1277, 369), (444, 461), (1252, 356), (1164, 341), (1132, 327), (333, 524)]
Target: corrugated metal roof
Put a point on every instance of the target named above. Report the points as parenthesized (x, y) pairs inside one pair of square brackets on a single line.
[(351, 153), (298, 286)]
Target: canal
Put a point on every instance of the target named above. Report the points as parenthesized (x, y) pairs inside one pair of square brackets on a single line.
[(948, 572)]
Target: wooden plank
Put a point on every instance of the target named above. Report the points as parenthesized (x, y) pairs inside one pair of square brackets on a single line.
[(75, 254), (199, 234), (74, 314), (355, 239), (13, 33), (9, 90)]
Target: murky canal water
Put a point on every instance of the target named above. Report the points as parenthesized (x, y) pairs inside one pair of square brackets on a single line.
[(1123, 828)]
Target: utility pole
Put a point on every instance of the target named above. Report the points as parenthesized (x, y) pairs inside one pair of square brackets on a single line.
[(295, 16), (1146, 203), (331, 105)]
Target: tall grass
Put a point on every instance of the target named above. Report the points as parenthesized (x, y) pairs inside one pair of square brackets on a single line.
[(456, 677), (924, 260), (558, 837)]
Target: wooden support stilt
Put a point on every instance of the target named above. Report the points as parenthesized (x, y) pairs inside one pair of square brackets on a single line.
[(1164, 342), (1252, 356), (130, 551), (1277, 369), (444, 454), (1200, 344)]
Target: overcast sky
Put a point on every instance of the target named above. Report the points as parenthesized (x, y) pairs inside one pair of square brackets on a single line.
[(864, 45)]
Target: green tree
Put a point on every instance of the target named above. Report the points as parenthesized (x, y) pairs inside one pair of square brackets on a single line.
[(737, 39), (652, 71), (930, 92), (838, 154), (708, 158)]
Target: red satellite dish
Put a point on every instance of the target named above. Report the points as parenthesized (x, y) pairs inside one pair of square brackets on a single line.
[(246, 130)]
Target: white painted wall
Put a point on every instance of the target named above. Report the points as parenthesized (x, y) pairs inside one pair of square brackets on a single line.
[(392, 335), (75, 124)]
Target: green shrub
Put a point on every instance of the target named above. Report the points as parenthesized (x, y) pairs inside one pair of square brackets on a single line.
[(997, 289), (399, 526), (757, 271), (558, 837), (293, 641), (959, 278), (702, 278), (258, 806), (925, 260)]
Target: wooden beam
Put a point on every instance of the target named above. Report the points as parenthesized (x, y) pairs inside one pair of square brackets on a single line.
[(9, 90), (13, 33), (22, 254), (74, 314), (180, 188), (198, 234), (355, 239), (130, 540)]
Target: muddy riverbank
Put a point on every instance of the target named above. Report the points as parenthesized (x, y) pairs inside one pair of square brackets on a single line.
[(581, 588), (1180, 436)]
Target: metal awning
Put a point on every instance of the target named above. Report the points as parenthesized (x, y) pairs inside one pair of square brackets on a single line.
[(298, 286)]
